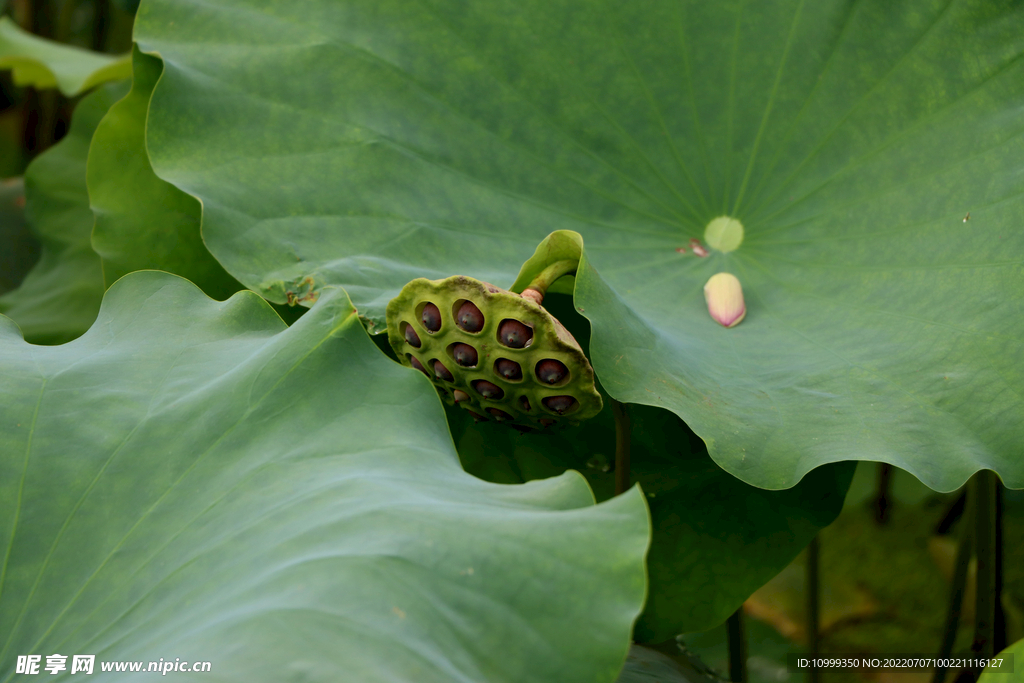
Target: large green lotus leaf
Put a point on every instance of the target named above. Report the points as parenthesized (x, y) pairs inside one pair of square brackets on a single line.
[(20, 248), (715, 539), (194, 479), (59, 298), (43, 63), (143, 222), (370, 143)]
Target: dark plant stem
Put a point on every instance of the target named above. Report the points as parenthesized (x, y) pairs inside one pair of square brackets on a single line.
[(737, 647), (956, 593), (44, 19), (40, 108), (100, 23), (953, 514), (621, 446), (21, 13), (999, 638), (813, 594), (63, 15), (41, 120), (882, 497), (984, 490)]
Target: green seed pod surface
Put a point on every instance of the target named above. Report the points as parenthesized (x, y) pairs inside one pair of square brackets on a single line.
[(521, 398)]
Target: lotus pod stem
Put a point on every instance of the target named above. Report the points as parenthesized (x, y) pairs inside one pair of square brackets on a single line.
[(538, 287)]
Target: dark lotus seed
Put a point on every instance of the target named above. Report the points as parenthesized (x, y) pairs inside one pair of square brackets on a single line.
[(560, 404), (411, 337), (464, 355), (488, 390), (460, 395), (509, 369), (499, 415), (551, 371), (418, 365), (469, 317), (524, 403), (442, 372), (431, 317), (477, 416), (548, 422), (514, 334)]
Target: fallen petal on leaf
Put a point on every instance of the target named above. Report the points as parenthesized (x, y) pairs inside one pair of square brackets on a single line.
[(725, 299)]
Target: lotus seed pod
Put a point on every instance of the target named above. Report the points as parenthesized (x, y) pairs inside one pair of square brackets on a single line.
[(509, 369), (514, 334), (560, 404), (724, 297), (499, 414), (500, 358), (411, 337), (477, 416), (431, 317), (418, 365), (465, 355), (488, 390), (551, 371), (469, 317), (442, 372)]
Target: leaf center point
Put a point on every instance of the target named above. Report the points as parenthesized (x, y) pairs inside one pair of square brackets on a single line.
[(724, 234)]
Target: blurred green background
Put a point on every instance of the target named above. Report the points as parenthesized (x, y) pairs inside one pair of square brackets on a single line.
[(31, 120), (884, 585)]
